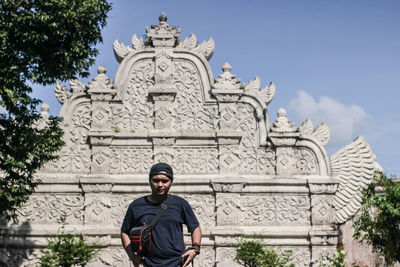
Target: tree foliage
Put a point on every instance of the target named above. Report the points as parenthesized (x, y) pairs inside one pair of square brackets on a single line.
[(67, 249), (378, 222), (41, 41)]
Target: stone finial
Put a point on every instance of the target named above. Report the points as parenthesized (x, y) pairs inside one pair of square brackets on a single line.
[(227, 80), (162, 34), (45, 109), (282, 124), (163, 18), (101, 83)]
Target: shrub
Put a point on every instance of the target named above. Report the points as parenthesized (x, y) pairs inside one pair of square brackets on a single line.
[(253, 254), (67, 249)]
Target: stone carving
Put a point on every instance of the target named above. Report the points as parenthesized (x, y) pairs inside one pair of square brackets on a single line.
[(206, 257), (190, 160), (321, 133), (115, 257), (300, 256), (162, 34), (119, 205), (282, 124), (323, 210), (354, 166), (41, 123), (276, 210), (306, 163), (134, 113), (203, 206), (265, 94), (206, 48), (225, 257), (190, 112), (97, 209), (48, 208), (227, 80), (125, 159), (121, 50), (229, 158), (19, 257)]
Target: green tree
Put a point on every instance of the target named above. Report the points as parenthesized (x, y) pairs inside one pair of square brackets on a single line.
[(67, 249), (378, 221), (41, 41)]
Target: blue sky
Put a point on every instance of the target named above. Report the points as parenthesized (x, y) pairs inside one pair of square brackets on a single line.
[(336, 62)]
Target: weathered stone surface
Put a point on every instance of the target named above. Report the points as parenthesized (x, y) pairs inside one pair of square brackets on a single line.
[(241, 173)]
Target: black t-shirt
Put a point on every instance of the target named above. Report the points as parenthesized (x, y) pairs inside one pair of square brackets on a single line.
[(167, 244)]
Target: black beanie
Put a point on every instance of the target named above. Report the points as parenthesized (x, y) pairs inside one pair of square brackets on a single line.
[(162, 168)]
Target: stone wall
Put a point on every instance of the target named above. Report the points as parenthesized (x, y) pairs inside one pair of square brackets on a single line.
[(241, 173)]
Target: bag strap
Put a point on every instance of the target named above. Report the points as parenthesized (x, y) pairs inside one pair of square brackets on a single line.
[(164, 206)]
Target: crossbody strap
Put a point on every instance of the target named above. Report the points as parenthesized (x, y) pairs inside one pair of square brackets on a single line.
[(164, 206)]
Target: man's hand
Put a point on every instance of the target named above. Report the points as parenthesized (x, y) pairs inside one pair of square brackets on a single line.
[(191, 254)]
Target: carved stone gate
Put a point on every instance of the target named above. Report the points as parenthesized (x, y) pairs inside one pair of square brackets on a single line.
[(241, 173)]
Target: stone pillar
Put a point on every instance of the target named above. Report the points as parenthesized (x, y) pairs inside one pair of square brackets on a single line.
[(101, 92), (227, 91), (324, 233), (283, 136)]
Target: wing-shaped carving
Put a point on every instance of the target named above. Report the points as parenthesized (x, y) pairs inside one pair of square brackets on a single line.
[(77, 86), (354, 166), (253, 86), (137, 43), (306, 127), (62, 93), (322, 133), (269, 92), (206, 48), (121, 50), (188, 43)]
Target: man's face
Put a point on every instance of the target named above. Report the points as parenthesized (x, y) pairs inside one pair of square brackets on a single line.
[(160, 184)]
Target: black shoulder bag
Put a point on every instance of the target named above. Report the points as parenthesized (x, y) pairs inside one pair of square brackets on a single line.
[(141, 235)]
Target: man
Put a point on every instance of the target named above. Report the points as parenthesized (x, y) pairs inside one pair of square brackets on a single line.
[(167, 246)]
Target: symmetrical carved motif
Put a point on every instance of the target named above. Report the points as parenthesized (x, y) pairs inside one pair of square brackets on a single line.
[(300, 256), (257, 210), (264, 94), (203, 207), (125, 159), (306, 163), (75, 155), (97, 209), (48, 208), (323, 210), (206, 48), (192, 160), (253, 158), (226, 80), (134, 114), (119, 205), (190, 112)]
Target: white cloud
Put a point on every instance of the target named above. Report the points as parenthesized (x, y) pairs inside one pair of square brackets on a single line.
[(345, 122)]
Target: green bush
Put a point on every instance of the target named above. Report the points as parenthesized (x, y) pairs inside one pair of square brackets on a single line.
[(67, 249), (338, 259), (254, 254), (378, 221)]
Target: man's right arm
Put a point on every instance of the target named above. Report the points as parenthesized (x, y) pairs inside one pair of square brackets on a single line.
[(126, 243)]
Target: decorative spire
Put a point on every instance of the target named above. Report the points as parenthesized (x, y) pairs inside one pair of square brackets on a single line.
[(162, 34), (282, 124), (101, 83), (227, 80)]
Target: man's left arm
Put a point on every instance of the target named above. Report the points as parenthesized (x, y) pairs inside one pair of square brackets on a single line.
[(195, 248)]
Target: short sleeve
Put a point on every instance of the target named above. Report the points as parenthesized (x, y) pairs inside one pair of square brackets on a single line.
[(128, 221), (189, 217)]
